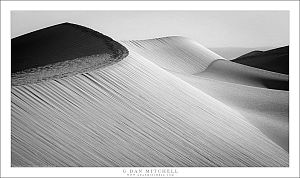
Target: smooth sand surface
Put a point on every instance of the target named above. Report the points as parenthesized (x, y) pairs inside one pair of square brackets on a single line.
[(232, 72), (266, 109)]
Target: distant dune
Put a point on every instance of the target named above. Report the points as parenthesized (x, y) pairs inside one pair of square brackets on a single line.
[(61, 50), (228, 71), (276, 60), (231, 53), (251, 54), (170, 102)]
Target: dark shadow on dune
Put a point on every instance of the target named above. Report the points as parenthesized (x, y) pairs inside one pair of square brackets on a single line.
[(276, 84), (60, 43), (60, 51), (275, 60)]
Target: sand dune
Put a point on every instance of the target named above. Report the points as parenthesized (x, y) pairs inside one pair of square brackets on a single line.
[(231, 53), (59, 51), (251, 54), (228, 71), (266, 109), (177, 54), (149, 110), (276, 60), (125, 115)]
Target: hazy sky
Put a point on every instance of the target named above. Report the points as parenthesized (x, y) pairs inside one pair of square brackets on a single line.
[(249, 29)]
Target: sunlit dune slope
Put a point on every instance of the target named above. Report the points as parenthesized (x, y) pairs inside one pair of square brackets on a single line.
[(276, 60), (243, 88), (175, 53), (132, 113), (266, 109), (228, 71), (59, 51)]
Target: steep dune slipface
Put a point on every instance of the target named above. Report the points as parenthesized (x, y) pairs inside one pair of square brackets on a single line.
[(266, 109), (177, 54), (228, 71), (59, 51), (132, 113)]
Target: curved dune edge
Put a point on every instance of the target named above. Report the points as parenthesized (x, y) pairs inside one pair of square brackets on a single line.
[(227, 71), (66, 68), (60, 51), (174, 53), (181, 54), (266, 109)]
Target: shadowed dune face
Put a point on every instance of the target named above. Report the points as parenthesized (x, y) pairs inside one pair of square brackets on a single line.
[(177, 54), (59, 51), (147, 109), (228, 71), (276, 60)]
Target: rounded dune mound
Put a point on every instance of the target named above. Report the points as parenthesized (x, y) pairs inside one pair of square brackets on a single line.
[(61, 50), (275, 60), (251, 54), (227, 71), (174, 53)]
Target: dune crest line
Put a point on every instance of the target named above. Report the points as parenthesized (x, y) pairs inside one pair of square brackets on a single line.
[(60, 51)]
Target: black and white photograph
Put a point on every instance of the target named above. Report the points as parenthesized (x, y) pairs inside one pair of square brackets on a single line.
[(159, 89)]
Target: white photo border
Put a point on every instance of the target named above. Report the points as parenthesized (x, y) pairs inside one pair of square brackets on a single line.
[(8, 6)]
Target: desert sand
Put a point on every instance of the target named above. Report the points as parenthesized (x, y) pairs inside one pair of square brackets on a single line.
[(162, 105), (59, 51), (227, 71)]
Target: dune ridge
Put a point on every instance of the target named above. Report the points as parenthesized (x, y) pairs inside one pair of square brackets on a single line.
[(175, 53), (266, 109), (232, 72), (248, 90), (59, 51)]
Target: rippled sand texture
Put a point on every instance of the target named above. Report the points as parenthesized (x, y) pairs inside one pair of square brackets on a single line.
[(260, 96), (162, 105), (131, 114), (177, 54)]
